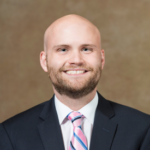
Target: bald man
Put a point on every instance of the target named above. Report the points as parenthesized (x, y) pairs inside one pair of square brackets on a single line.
[(77, 117)]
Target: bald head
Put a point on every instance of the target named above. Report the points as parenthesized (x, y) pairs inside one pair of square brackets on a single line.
[(70, 23)]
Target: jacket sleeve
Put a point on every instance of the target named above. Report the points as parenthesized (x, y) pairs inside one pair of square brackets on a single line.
[(5, 143), (146, 142)]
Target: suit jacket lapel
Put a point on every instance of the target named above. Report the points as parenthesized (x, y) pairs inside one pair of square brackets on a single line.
[(104, 129), (49, 128)]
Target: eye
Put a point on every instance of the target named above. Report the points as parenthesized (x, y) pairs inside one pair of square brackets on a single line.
[(62, 49), (86, 49)]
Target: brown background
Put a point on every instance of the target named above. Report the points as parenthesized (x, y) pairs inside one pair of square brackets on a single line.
[(125, 30)]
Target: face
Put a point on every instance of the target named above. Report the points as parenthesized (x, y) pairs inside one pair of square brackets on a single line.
[(74, 59)]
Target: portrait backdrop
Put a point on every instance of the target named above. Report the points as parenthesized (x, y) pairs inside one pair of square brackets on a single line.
[(125, 31)]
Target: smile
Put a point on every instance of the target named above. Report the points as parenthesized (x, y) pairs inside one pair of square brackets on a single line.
[(75, 72)]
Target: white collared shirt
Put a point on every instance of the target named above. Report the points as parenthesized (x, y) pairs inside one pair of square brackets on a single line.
[(66, 125)]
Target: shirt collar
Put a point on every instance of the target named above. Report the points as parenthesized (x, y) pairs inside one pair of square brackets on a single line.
[(88, 110)]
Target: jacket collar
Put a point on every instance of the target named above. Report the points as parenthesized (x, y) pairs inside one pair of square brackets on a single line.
[(49, 129), (104, 129)]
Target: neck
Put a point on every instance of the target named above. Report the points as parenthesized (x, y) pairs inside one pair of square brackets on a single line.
[(75, 104)]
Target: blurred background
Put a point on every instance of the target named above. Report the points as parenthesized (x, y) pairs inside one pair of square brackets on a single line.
[(125, 31)]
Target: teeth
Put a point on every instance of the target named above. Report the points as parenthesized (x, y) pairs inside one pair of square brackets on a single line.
[(75, 72)]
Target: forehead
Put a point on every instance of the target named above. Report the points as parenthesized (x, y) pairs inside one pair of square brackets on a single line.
[(73, 34)]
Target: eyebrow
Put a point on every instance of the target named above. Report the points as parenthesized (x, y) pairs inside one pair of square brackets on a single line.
[(56, 46), (64, 45), (91, 45)]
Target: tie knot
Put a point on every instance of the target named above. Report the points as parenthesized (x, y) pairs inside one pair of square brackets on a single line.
[(75, 117)]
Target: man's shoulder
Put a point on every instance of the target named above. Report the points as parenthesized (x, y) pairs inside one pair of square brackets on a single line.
[(28, 117), (129, 114)]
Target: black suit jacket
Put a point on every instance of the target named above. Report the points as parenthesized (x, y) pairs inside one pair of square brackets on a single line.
[(116, 127)]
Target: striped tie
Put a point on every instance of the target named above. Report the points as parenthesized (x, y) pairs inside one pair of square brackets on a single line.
[(78, 141)]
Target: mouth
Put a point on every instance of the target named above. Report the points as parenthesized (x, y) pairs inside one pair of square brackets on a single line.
[(76, 71)]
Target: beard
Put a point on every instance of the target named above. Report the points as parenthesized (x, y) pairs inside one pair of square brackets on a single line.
[(77, 88)]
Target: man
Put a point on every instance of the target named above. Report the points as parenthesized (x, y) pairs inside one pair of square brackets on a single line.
[(77, 117)]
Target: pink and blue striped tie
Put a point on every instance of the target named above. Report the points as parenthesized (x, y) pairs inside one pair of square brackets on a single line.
[(78, 141)]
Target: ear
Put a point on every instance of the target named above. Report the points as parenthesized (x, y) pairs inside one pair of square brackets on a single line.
[(43, 61), (102, 58)]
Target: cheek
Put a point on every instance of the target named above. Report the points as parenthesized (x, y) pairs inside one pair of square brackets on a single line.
[(56, 66), (94, 61), (54, 61)]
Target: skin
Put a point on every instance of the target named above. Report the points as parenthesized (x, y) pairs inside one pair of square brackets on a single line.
[(73, 43)]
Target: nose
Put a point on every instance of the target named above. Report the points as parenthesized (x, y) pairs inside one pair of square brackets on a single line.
[(76, 58)]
